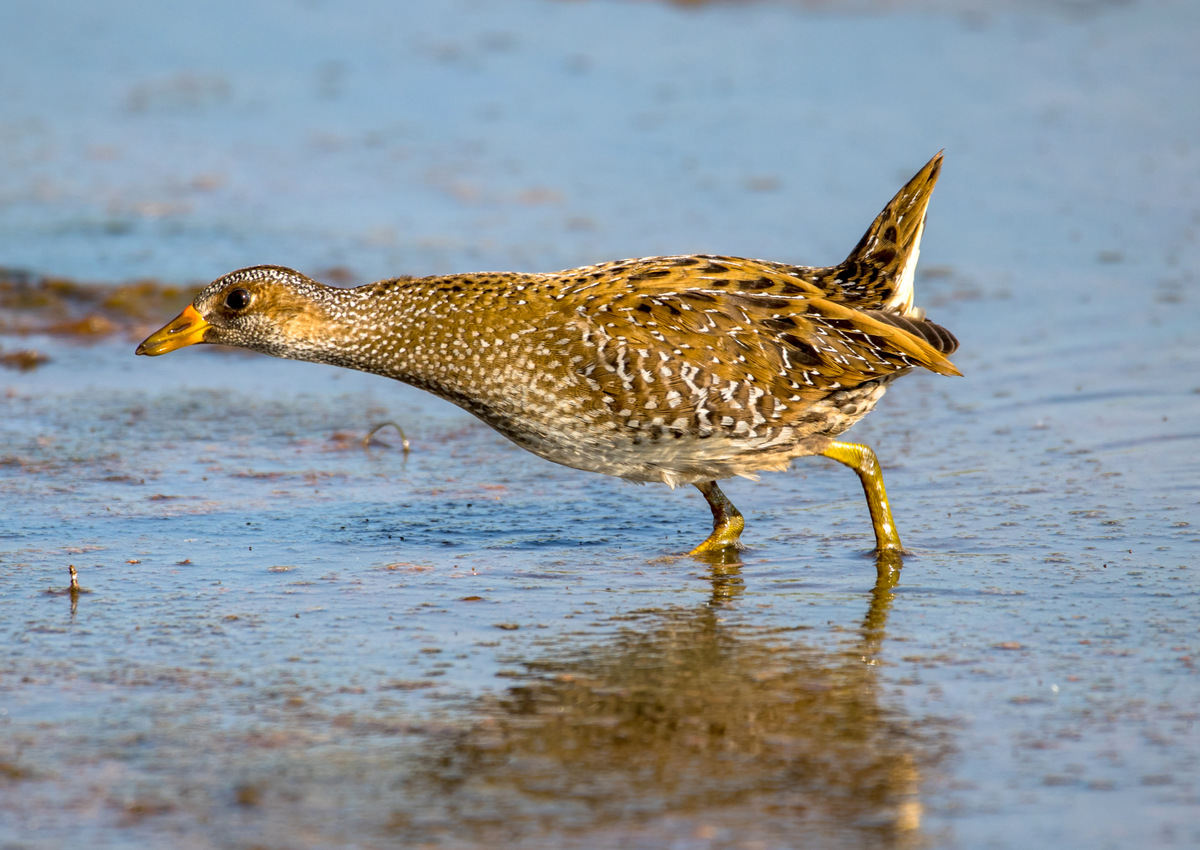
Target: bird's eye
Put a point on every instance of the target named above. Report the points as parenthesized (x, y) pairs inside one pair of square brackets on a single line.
[(239, 299)]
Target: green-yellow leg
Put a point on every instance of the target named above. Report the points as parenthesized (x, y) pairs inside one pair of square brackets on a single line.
[(727, 521), (863, 461)]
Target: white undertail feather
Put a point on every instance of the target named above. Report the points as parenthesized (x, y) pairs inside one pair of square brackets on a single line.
[(902, 300)]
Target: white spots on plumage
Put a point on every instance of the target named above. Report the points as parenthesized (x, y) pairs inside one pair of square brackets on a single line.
[(671, 479), (621, 368)]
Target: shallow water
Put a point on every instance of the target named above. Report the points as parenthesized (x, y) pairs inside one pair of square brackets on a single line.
[(286, 639)]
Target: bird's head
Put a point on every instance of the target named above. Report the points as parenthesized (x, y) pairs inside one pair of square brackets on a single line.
[(270, 309)]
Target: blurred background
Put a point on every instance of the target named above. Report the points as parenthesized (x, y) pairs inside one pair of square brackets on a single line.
[(388, 138)]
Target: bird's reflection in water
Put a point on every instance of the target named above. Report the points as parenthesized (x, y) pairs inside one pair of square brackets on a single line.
[(687, 723)]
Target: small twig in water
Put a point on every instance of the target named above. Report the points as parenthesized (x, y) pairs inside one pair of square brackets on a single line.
[(403, 438)]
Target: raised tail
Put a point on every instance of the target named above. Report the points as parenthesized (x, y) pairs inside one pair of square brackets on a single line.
[(879, 272)]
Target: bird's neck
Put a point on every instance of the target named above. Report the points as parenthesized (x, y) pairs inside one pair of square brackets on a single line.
[(420, 331)]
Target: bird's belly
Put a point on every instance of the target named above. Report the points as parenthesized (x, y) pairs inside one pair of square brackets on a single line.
[(684, 455)]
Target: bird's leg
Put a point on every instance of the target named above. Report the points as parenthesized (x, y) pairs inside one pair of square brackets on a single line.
[(863, 461), (727, 521)]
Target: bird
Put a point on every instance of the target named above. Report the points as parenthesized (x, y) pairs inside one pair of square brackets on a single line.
[(678, 370)]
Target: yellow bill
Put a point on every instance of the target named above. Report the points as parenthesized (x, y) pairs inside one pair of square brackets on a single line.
[(185, 329)]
